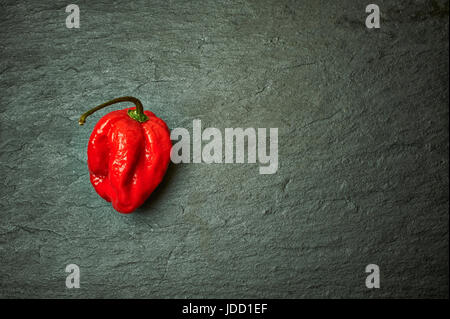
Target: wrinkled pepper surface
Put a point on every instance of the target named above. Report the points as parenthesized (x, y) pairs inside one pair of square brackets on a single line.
[(128, 154)]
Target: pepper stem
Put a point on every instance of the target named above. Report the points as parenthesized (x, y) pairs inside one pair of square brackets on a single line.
[(136, 114)]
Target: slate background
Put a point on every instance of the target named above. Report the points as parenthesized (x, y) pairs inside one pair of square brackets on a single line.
[(363, 149)]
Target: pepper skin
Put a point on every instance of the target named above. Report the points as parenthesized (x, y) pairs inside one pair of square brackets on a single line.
[(128, 157)]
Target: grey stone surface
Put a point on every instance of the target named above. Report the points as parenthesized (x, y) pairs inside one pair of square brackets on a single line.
[(363, 149)]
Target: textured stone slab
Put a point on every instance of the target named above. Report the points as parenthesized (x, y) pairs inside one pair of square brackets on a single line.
[(363, 149)]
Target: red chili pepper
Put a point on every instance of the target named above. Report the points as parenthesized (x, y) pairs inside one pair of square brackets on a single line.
[(128, 154)]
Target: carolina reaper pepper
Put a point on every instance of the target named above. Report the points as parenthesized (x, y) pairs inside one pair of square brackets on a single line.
[(128, 154)]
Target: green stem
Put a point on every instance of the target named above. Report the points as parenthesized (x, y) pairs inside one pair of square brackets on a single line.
[(136, 114)]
